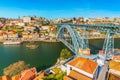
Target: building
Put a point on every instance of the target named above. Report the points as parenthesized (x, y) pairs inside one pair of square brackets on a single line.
[(29, 74), (114, 70), (41, 76), (29, 29), (80, 20), (82, 69), (17, 77), (45, 27), (116, 56), (84, 51), (5, 78), (26, 19)]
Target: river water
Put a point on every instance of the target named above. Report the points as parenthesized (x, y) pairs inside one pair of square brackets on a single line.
[(43, 57)]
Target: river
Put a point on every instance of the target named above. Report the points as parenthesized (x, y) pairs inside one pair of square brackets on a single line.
[(43, 57)]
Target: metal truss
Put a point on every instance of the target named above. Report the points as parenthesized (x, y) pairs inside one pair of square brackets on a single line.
[(77, 40), (108, 46)]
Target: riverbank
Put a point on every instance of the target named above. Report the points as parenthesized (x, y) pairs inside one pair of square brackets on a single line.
[(52, 40), (41, 40), (1, 41)]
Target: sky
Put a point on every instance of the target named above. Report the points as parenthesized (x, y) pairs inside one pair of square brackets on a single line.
[(60, 8)]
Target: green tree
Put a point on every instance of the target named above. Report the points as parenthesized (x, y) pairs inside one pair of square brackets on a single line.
[(65, 54), (15, 68), (56, 76)]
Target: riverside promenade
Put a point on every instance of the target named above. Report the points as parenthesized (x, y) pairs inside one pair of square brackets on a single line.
[(28, 40), (50, 40)]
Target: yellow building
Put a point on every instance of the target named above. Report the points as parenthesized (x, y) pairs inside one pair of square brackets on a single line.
[(114, 70)]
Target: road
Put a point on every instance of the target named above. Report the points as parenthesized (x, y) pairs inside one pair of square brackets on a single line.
[(103, 72)]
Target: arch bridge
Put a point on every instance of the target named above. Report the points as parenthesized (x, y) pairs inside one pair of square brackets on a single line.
[(77, 39)]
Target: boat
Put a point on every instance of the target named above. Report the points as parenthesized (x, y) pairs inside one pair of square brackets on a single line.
[(12, 42), (32, 46)]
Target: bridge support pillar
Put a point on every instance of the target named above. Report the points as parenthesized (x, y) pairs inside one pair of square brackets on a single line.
[(85, 36), (108, 46)]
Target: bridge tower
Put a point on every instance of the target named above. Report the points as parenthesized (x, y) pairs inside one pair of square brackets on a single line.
[(85, 37), (108, 46)]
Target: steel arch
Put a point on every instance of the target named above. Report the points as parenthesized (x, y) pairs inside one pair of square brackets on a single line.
[(77, 40)]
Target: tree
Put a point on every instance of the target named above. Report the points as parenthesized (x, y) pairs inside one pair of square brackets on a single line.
[(15, 68), (65, 54), (58, 75)]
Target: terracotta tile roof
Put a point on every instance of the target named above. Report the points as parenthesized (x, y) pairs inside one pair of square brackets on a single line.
[(84, 64), (67, 78), (28, 74), (114, 65), (6, 78), (17, 77), (101, 51), (41, 76), (88, 54), (77, 76), (117, 57), (0, 78)]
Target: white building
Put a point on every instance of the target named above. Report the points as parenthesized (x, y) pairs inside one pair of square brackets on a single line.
[(82, 69), (21, 24), (26, 19), (45, 27)]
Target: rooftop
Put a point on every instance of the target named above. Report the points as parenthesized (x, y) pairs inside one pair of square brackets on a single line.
[(75, 75), (29, 74), (17, 77), (84, 64), (114, 65), (67, 78), (113, 77), (41, 76), (6, 78), (116, 58)]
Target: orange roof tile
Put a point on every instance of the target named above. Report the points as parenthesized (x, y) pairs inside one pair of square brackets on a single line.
[(0, 78), (116, 57), (114, 65), (6, 78), (17, 77), (28, 74), (41, 76), (84, 64), (89, 54), (101, 51), (67, 78), (77, 76)]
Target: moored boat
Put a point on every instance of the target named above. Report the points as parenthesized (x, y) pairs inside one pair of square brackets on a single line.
[(32, 46), (12, 42)]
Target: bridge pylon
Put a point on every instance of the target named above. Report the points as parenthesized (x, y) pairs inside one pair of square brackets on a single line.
[(85, 37), (108, 46)]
